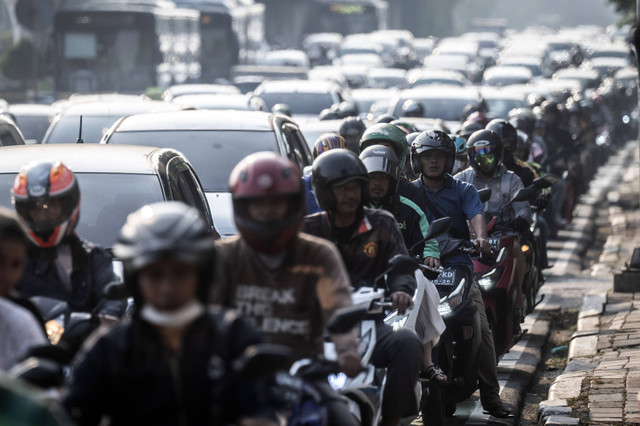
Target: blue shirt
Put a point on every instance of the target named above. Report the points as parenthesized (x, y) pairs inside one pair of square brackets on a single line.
[(312, 204), (458, 200)]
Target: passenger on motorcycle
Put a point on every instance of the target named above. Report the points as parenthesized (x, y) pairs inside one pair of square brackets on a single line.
[(384, 172), (509, 137), (432, 157), (367, 239), (485, 150), (19, 329), (59, 263), (325, 142), (171, 364), (287, 282), (351, 129), (393, 137)]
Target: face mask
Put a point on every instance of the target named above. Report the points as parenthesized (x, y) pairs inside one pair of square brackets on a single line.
[(172, 319)]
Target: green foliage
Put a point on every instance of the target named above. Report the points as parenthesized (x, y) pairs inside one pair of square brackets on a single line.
[(627, 10), (17, 62)]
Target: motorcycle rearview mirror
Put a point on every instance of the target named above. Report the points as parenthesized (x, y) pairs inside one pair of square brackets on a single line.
[(262, 360), (345, 319), (544, 182), (524, 194), (484, 194), (438, 227), (402, 264), (116, 290), (40, 372), (59, 353)]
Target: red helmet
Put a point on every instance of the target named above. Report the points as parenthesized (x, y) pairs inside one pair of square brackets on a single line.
[(46, 196), (264, 175)]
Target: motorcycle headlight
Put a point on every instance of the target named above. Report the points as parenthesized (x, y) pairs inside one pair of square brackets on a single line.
[(449, 303), (490, 279)]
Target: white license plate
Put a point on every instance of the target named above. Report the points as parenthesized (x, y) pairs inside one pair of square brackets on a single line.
[(446, 278)]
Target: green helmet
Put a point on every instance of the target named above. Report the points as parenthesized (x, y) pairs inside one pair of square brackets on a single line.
[(386, 133)]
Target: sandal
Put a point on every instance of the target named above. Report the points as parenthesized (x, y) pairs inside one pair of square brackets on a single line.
[(435, 374)]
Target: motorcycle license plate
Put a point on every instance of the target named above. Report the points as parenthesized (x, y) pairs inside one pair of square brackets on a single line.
[(446, 278)]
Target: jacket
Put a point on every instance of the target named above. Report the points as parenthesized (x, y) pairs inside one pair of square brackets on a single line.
[(376, 239), (92, 270), (128, 375)]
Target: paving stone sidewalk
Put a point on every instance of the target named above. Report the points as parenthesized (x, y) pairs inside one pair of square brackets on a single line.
[(601, 382)]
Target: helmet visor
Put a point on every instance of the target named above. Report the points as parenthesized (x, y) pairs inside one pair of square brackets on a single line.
[(486, 157)]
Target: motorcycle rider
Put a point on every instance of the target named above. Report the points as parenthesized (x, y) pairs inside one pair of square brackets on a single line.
[(351, 129), (172, 363), (384, 172), (509, 137), (286, 282), (487, 171), (367, 239), (18, 327), (432, 157), (325, 142), (59, 263)]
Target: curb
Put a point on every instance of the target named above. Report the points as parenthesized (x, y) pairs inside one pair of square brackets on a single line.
[(555, 410)]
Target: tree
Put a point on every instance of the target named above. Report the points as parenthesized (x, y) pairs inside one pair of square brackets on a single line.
[(627, 8), (17, 63)]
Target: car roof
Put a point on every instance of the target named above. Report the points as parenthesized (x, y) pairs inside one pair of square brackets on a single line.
[(437, 91), (289, 86), (197, 120), (118, 108), (81, 158)]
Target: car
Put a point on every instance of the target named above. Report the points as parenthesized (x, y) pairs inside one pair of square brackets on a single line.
[(589, 78), (285, 58), (32, 119), (239, 101), (534, 64), (423, 76), (500, 100), (304, 97), (374, 101), (124, 179), (506, 75), (10, 134), (214, 141), (321, 48), (97, 117), (312, 129), (387, 78), (439, 101), (190, 89)]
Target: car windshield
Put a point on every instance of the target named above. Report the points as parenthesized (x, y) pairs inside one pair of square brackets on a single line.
[(213, 154), (501, 107), (106, 200), (33, 126), (66, 129), (300, 103), (444, 108)]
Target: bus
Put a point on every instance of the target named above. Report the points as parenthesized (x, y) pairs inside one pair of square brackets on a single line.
[(123, 46), (346, 16), (231, 33)]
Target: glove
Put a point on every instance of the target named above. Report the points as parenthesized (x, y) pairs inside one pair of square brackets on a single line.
[(519, 224)]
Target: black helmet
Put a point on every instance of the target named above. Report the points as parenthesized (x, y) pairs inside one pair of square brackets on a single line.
[(523, 148), (484, 148), (430, 140), (523, 119), (469, 127), (412, 108), (165, 230), (380, 159), (328, 114), (348, 109), (385, 118), (336, 167), (507, 133), (352, 129), (38, 186)]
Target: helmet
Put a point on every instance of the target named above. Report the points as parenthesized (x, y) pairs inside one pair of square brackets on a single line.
[(352, 127), (328, 141), (430, 140), (386, 133), (378, 158), (262, 175), (405, 126), (282, 109), (468, 127), (411, 137), (507, 133), (484, 148), (328, 114), (39, 186), (348, 109), (478, 117), (534, 100), (523, 147), (165, 230), (460, 143), (336, 167), (412, 108), (523, 119), (385, 118)]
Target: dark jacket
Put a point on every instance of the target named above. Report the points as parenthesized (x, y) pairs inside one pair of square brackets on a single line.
[(130, 377), (376, 239), (92, 271)]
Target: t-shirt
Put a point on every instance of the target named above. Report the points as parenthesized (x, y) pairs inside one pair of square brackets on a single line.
[(19, 330), (289, 304)]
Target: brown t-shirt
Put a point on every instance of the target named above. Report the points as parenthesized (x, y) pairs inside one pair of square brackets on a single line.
[(289, 305)]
